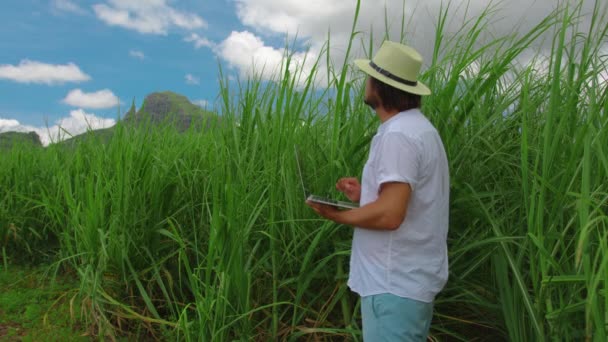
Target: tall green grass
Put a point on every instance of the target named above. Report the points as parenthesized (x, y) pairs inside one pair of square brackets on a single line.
[(205, 236)]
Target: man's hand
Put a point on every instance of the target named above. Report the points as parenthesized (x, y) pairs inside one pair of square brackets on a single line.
[(387, 212), (328, 211), (351, 187)]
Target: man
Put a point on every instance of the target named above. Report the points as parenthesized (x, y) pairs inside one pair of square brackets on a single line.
[(399, 254)]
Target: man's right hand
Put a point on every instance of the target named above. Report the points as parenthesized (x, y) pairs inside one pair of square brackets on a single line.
[(351, 187)]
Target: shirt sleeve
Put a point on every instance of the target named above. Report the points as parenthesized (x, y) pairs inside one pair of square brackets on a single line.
[(398, 159)]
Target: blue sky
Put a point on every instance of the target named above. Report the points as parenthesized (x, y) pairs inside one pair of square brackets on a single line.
[(80, 63), (127, 62), (75, 63)]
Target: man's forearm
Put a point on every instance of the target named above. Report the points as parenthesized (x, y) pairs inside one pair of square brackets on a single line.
[(387, 212), (374, 216)]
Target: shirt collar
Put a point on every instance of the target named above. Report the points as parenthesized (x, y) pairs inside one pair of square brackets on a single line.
[(384, 126)]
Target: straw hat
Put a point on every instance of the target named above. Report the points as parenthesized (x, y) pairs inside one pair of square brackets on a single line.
[(397, 65)]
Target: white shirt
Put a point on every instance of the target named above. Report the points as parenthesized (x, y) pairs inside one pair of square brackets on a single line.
[(411, 261)]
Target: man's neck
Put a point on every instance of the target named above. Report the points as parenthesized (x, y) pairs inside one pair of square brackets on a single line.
[(384, 114)]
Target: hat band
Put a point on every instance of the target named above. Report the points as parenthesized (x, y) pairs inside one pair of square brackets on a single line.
[(391, 76)]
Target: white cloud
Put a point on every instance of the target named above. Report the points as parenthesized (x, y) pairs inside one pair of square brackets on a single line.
[(98, 100), (312, 20), (7, 124), (201, 103), (146, 16), (251, 56), (315, 18), (191, 79), (137, 54), (199, 41), (77, 123), (67, 6), (37, 72)]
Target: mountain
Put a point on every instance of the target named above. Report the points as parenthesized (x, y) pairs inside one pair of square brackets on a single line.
[(169, 108), (10, 139), (161, 108)]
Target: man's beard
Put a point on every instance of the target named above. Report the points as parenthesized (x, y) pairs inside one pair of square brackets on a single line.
[(372, 101)]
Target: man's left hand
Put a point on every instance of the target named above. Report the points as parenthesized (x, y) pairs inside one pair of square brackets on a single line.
[(328, 211)]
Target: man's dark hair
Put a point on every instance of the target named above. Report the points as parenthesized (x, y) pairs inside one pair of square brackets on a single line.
[(392, 98)]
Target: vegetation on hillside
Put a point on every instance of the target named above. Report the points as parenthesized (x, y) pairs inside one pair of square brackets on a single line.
[(8, 140), (171, 109)]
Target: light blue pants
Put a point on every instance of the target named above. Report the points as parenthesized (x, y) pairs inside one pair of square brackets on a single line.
[(391, 318)]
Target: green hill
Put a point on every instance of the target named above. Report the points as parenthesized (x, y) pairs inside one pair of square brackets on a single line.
[(11, 139), (169, 108), (161, 108)]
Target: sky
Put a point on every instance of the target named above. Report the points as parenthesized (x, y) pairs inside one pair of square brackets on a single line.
[(69, 65)]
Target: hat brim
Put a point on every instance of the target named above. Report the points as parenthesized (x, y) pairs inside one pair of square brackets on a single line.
[(420, 88)]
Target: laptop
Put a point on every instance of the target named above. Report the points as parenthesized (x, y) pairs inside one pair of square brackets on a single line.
[(319, 199)]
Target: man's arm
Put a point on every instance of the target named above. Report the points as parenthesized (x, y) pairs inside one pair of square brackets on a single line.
[(386, 213)]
